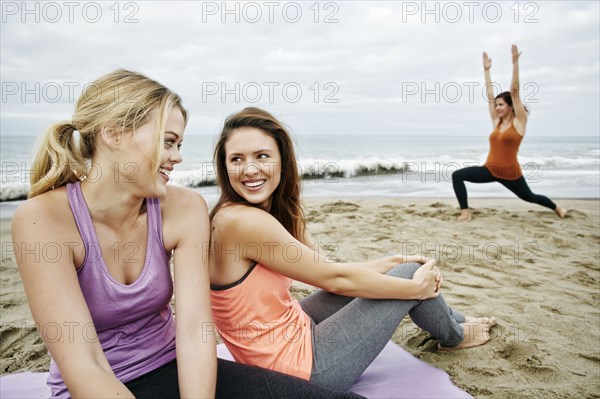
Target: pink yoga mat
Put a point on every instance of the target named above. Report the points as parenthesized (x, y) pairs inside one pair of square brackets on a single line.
[(395, 373)]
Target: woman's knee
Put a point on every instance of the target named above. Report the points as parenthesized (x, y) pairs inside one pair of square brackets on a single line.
[(457, 176), (404, 270), (464, 174)]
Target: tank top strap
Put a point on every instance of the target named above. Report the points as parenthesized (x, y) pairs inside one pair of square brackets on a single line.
[(154, 222), (83, 219), (82, 216)]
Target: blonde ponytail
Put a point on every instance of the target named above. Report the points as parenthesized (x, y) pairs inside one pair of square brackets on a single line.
[(58, 160)]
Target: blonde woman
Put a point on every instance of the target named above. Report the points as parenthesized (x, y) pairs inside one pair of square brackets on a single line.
[(94, 242)]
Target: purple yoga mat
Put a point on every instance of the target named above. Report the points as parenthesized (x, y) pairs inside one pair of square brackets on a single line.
[(395, 373), (24, 385)]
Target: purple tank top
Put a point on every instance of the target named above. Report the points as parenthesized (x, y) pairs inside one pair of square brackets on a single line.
[(134, 322)]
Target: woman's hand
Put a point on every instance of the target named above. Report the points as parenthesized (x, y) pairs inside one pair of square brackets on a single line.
[(487, 62), (429, 280), (515, 54)]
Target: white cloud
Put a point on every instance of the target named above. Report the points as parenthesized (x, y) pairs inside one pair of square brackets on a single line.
[(369, 57)]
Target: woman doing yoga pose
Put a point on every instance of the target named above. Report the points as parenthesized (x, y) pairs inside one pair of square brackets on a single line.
[(509, 118)]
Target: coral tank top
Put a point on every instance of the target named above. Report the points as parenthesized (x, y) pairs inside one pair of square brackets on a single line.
[(262, 325), (502, 159)]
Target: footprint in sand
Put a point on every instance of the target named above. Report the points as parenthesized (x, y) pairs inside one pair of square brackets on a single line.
[(388, 215), (380, 237), (436, 214), (527, 284), (560, 243), (339, 207), (487, 371), (22, 347), (479, 391), (588, 265), (438, 205), (575, 214), (591, 357), (421, 340), (313, 216), (528, 357), (584, 278), (551, 309)]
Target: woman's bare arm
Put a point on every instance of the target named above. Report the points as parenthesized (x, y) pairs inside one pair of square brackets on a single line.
[(196, 342), (520, 112), (57, 303), (489, 88), (260, 237)]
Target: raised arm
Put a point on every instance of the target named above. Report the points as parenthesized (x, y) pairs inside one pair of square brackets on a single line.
[(56, 301), (264, 240), (489, 88), (196, 342), (520, 112)]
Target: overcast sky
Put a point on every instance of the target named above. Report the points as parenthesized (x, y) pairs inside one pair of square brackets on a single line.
[(339, 67)]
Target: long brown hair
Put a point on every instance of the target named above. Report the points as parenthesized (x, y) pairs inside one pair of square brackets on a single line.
[(121, 100), (286, 206)]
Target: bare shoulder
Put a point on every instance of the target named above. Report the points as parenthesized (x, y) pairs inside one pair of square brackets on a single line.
[(239, 217), (47, 220), (46, 211), (180, 200), (184, 216)]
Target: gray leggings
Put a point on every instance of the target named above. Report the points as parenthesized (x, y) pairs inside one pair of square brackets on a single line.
[(349, 333)]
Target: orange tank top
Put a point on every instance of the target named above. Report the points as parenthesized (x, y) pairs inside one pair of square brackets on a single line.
[(502, 159), (262, 325)]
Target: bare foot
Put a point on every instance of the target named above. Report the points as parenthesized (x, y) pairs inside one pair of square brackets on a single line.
[(477, 332), (561, 212), (490, 321), (465, 215)]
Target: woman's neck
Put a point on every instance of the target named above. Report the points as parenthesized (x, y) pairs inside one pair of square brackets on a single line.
[(110, 205), (506, 121)]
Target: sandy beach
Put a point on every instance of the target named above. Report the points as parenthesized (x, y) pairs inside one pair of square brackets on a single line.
[(537, 274)]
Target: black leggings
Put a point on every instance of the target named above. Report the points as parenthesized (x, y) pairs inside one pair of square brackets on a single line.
[(480, 174), (234, 380)]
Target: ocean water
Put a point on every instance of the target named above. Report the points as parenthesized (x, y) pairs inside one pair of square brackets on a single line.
[(373, 166)]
